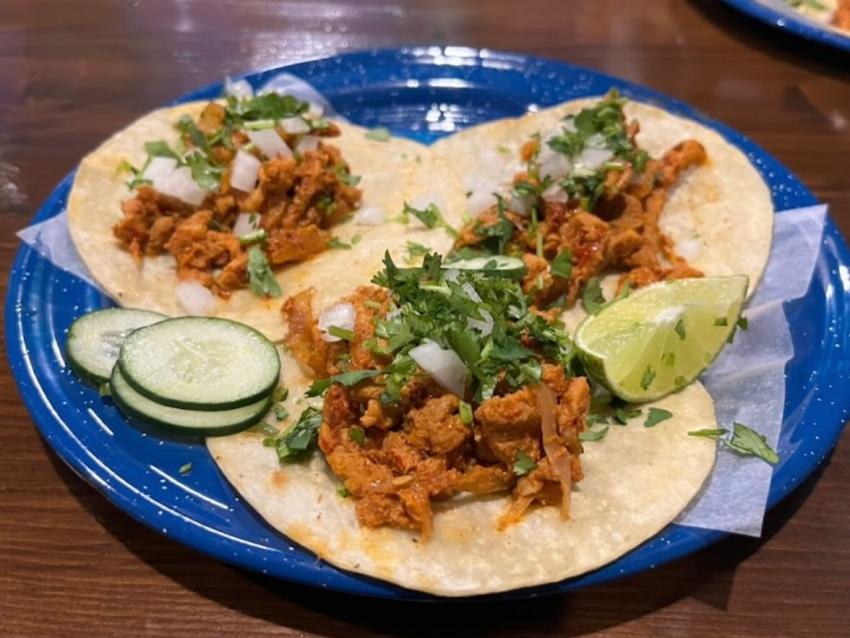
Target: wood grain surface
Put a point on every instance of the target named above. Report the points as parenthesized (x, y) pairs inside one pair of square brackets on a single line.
[(71, 72)]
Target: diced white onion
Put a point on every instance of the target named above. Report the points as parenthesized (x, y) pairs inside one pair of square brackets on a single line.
[(314, 110), (244, 171), (451, 274), (270, 143), (553, 164), (294, 125), (195, 298), (159, 167), (179, 183), (554, 193), (521, 204), (243, 225), (238, 88), (444, 366), (369, 216), (341, 315), (689, 248), (307, 143), (483, 325), (470, 291), (594, 158)]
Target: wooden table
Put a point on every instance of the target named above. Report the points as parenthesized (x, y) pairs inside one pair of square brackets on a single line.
[(73, 72)]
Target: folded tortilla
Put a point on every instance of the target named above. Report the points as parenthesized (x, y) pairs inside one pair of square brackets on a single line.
[(636, 481), (392, 172), (719, 215)]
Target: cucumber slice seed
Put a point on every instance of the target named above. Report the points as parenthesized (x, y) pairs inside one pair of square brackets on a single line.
[(201, 422), (94, 339), (200, 363)]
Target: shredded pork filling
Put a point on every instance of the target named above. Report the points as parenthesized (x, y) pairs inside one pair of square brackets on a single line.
[(396, 460), (295, 202), (619, 232)]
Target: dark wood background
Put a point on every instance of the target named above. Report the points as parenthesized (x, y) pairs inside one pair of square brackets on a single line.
[(73, 71)]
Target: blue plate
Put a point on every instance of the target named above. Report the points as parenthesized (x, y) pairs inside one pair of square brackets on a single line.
[(779, 15), (422, 93)]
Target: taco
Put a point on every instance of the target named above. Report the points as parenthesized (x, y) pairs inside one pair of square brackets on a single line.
[(220, 207), (613, 192), (443, 447)]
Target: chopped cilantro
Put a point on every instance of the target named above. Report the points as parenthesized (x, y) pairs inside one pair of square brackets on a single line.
[(415, 251), (341, 333), (748, 442), (562, 265), (595, 417), (336, 242), (378, 134), (592, 298), (593, 435), (104, 389), (709, 433), (680, 329), (669, 359), (343, 491), (743, 323), (496, 236), (430, 216), (465, 412), (680, 382), (744, 441), (296, 442), (185, 469), (343, 175), (159, 148), (523, 464), (350, 378), (204, 171), (280, 394), (656, 416), (255, 237), (261, 278), (355, 239), (721, 321), (280, 412), (623, 414), (357, 434), (268, 106)]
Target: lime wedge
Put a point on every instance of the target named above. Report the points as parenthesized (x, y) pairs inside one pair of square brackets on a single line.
[(660, 338)]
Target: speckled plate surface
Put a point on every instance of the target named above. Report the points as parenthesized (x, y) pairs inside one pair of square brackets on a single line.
[(777, 14), (421, 93)]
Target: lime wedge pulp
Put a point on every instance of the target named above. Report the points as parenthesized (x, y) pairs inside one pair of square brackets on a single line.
[(660, 338)]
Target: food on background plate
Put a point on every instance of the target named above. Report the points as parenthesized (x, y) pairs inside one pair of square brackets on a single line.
[(599, 195), (215, 208), (834, 13)]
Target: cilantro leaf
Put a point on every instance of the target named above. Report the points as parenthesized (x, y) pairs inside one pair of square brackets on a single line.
[(680, 329), (623, 414), (185, 469), (647, 378), (261, 278), (296, 442), (748, 442), (160, 148), (357, 434), (592, 298), (280, 412), (336, 242), (430, 216), (562, 265), (415, 250), (721, 321), (465, 413), (593, 435), (523, 463), (350, 378), (268, 106), (656, 416)]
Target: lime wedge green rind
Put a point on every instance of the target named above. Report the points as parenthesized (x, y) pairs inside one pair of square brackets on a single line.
[(660, 338)]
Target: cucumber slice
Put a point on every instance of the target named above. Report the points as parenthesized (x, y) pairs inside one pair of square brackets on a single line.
[(200, 363), (200, 422), (496, 265), (94, 340)]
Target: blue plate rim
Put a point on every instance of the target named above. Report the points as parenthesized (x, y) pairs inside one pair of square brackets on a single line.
[(792, 23), (45, 415)]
